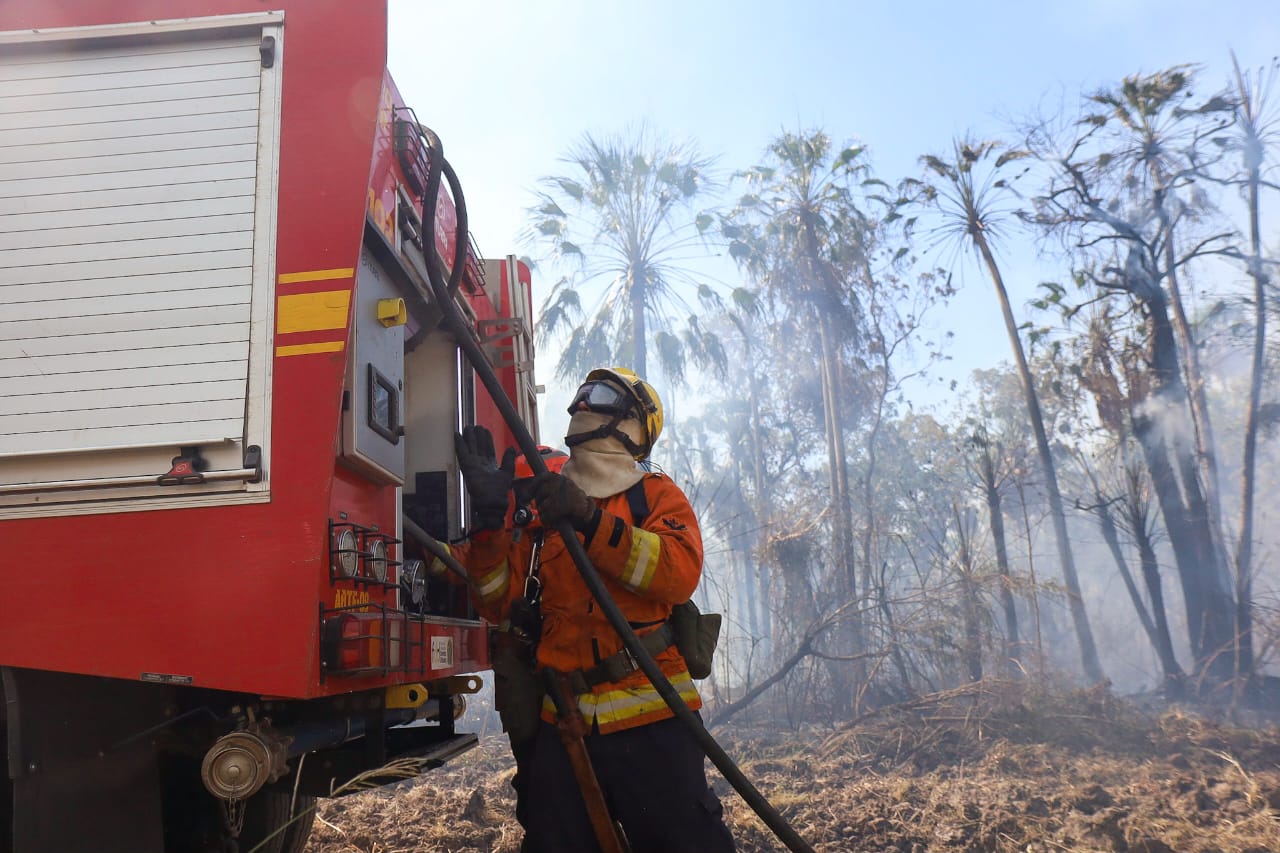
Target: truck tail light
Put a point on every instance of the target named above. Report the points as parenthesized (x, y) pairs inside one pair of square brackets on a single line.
[(362, 642)]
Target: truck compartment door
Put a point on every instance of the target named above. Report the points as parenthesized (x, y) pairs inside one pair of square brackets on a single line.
[(137, 215)]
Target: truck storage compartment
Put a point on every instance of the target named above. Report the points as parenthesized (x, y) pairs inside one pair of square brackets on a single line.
[(137, 215)]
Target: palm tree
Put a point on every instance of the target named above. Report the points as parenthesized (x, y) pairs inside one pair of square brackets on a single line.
[(1255, 132), (622, 215), (972, 212), (990, 466), (799, 233), (1155, 158), (1100, 195)]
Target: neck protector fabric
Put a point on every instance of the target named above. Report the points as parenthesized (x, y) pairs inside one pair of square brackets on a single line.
[(602, 466)]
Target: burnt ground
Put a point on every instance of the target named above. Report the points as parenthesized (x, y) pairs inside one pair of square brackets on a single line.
[(984, 768)]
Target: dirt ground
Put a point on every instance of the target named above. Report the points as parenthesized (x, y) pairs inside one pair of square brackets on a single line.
[(985, 768)]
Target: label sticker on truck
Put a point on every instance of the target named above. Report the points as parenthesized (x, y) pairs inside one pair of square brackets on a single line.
[(167, 678), (441, 652)]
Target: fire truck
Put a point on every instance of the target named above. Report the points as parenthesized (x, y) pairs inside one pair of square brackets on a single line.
[(227, 409)]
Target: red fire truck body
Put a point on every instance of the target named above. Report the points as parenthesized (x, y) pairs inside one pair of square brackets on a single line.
[(223, 388)]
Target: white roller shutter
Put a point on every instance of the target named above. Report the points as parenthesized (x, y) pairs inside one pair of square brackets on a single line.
[(136, 220)]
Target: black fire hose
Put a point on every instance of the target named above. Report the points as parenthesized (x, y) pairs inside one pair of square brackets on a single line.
[(436, 168), (443, 294), (437, 549)]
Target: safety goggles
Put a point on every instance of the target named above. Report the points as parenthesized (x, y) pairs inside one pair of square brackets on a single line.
[(604, 397)]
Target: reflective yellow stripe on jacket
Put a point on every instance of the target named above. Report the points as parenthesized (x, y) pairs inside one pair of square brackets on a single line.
[(494, 585), (622, 708), (646, 547)]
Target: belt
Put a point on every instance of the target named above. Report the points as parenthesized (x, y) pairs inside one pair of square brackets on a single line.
[(618, 666)]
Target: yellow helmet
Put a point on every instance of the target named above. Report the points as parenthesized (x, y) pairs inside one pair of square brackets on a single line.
[(641, 400)]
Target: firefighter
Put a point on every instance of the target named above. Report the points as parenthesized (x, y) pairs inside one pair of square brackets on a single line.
[(517, 691), (641, 534)]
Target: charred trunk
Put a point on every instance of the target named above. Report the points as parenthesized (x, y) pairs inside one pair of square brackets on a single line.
[(1210, 609)]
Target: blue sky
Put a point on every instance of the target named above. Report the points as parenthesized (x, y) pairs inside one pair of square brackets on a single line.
[(510, 85)]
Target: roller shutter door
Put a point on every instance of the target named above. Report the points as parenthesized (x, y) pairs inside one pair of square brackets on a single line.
[(133, 206)]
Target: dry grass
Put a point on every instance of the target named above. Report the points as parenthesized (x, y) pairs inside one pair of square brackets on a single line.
[(992, 767)]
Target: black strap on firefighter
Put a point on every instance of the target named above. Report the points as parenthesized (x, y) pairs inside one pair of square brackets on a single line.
[(606, 431), (618, 666), (442, 292), (638, 503)]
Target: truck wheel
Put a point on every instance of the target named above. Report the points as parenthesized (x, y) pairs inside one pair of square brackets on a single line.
[(194, 820), (266, 811)]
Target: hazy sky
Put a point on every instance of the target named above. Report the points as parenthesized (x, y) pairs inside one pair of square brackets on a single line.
[(510, 85)]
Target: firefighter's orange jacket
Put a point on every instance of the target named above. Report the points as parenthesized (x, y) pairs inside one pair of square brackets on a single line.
[(647, 570)]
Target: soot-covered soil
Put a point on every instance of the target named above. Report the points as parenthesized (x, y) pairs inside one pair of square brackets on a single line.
[(985, 768)]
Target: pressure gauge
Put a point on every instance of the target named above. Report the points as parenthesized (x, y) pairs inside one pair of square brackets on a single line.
[(344, 555), (375, 560), (413, 584)]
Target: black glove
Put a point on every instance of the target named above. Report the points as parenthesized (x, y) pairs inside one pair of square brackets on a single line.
[(560, 499), (488, 483)]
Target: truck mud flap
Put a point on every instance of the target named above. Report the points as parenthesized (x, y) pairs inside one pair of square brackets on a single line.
[(81, 775)]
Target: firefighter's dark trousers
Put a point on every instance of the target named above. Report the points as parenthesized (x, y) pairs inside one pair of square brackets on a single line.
[(653, 781)]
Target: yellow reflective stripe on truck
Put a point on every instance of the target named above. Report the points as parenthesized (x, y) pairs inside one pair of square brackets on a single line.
[(315, 275), (316, 311), (312, 312)]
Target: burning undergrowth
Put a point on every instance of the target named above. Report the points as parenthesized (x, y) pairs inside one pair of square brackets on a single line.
[(989, 767)]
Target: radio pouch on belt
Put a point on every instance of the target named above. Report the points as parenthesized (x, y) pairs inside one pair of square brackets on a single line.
[(517, 690), (697, 634)]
